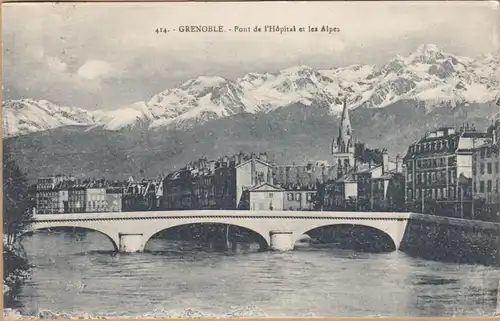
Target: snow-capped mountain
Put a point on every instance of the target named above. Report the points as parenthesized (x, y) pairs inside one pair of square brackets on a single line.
[(26, 116), (429, 75)]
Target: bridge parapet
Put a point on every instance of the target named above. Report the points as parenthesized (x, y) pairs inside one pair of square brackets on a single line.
[(221, 213)]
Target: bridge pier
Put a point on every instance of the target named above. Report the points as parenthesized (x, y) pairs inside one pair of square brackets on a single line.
[(281, 241), (131, 242)]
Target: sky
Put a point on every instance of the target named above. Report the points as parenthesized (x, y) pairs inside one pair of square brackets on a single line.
[(105, 55)]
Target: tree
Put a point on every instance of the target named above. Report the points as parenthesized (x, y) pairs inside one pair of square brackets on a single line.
[(16, 214), (16, 198)]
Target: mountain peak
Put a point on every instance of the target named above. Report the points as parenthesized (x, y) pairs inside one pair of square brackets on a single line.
[(427, 54), (202, 82), (296, 70), (428, 48)]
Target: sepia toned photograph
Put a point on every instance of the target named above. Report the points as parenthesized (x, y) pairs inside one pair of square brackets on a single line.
[(246, 159)]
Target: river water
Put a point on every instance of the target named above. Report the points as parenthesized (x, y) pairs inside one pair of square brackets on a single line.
[(77, 273)]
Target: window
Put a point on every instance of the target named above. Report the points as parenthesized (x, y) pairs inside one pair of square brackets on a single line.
[(481, 168), (488, 186), (496, 167), (289, 196), (481, 187), (297, 196), (490, 168), (271, 195)]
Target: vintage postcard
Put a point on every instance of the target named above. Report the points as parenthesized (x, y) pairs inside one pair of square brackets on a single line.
[(273, 159)]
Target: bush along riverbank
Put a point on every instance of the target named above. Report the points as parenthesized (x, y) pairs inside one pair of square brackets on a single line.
[(16, 270)]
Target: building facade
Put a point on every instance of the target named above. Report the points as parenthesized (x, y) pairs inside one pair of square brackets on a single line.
[(221, 184), (486, 176), (52, 194), (438, 171), (266, 197)]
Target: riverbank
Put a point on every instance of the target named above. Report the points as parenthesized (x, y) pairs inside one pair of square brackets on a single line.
[(16, 270), (456, 240)]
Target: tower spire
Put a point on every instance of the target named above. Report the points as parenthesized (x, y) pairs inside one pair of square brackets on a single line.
[(345, 124), (343, 145)]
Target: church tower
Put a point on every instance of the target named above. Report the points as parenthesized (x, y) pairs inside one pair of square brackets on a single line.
[(343, 144)]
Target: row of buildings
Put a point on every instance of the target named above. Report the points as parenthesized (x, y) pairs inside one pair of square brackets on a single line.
[(452, 172), (65, 194)]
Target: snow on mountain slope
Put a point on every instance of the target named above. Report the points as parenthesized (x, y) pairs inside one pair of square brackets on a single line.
[(124, 117), (430, 75), (26, 115)]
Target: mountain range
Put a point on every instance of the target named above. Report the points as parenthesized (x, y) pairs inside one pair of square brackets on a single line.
[(293, 113)]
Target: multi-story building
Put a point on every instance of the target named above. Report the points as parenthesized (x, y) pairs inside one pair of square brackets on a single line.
[(376, 184), (366, 187), (301, 183), (52, 194), (266, 197), (438, 171), (142, 195), (486, 176), (388, 192), (341, 193), (95, 196), (77, 197), (221, 184)]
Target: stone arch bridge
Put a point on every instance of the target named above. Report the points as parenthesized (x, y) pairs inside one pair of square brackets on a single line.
[(129, 232)]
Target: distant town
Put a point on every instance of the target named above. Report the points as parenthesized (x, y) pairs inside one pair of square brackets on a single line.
[(450, 172)]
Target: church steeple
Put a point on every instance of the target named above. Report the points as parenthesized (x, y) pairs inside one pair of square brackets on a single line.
[(345, 126), (343, 145)]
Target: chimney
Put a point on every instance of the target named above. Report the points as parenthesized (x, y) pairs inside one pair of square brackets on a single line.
[(385, 162), (263, 157)]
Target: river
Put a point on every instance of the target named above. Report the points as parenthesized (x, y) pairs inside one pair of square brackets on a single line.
[(77, 273)]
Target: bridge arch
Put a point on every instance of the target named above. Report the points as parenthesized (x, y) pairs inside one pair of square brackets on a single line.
[(393, 229), (261, 234), (109, 235)]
